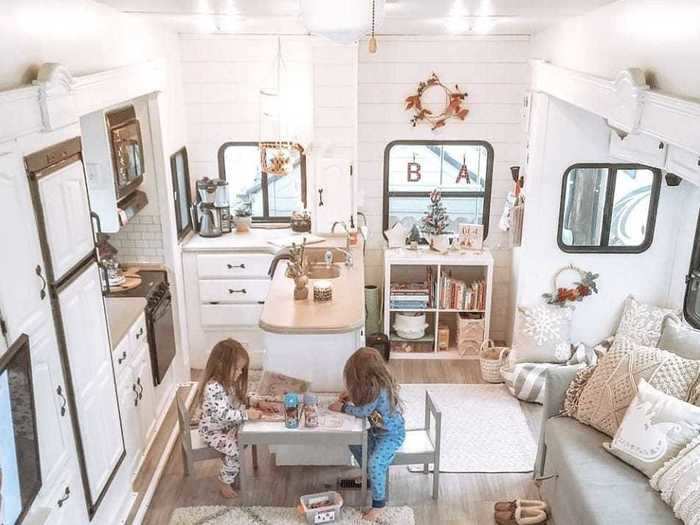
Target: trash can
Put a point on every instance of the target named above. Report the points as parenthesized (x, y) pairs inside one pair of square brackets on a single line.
[(380, 342)]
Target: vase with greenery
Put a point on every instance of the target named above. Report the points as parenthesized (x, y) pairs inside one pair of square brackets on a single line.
[(243, 215), (297, 269), (435, 223)]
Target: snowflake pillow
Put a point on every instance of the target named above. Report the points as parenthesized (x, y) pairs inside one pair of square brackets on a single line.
[(542, 334), (641, 323)]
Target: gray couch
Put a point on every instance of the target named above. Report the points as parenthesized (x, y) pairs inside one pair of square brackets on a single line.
[(589, 486)]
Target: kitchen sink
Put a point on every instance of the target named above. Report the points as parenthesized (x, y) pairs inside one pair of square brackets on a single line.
[(324, 271)]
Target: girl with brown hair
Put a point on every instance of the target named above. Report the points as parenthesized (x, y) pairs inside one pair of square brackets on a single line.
[(373, 393), (223, 392)]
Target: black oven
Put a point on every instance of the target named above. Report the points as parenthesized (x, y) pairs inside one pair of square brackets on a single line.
[(160, 325)]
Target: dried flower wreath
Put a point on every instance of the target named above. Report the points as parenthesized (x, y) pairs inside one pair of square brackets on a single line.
[(454, 104)]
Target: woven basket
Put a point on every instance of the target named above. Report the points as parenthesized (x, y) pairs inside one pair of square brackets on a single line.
[(491, 359)]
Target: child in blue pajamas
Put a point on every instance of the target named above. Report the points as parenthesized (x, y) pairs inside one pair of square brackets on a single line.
[(373, 393)]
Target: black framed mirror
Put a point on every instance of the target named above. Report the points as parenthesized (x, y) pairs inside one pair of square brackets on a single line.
[(608, 208), (462, 169), (272, 198), (182, 192)]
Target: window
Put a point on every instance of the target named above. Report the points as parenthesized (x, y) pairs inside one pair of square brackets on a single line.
[(273, 197), (691, 308), (462, 169), (608, 208)]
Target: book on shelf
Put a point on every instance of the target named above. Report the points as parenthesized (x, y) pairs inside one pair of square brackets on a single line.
[(411, 295), (456, 294)]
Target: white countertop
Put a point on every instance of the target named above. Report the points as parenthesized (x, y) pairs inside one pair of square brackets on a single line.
[(122, 313), (254, 240)]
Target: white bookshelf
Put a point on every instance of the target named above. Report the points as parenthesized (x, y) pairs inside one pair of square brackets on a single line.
[(404, 265)]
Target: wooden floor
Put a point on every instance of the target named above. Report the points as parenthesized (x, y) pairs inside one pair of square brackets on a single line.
[(465, 499)]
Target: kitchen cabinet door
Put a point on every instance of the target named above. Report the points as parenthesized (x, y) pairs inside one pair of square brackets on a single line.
[(22, 286), (333, 199), (94, 389), (66, 500), (146, 393), (131, 422), (64, 200)]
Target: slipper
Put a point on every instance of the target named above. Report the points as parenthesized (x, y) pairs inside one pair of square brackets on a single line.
[(510, 506)]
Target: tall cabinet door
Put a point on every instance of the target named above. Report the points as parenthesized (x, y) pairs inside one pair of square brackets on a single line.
[(25, 308), (64, 200), (333, 198), (92, 378), (21, 263)]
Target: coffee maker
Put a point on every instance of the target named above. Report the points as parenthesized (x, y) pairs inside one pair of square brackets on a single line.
[(213, 212)]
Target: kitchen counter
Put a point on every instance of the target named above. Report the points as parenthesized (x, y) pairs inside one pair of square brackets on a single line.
[(345, 313), (257, 240), (122, 313)]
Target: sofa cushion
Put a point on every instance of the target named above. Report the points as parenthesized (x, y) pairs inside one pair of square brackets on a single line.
[(613, 385), (594, 487), (679, 338), (641, 322)]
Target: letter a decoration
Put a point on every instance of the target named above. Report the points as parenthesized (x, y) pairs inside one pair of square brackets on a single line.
[(463, 172)]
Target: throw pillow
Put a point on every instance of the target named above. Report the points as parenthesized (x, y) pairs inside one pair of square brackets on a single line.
[(542, 335), (573, 393), (613, 385), (526, 380), (678, 481), (679, 338), (656, 427), (641, 322)]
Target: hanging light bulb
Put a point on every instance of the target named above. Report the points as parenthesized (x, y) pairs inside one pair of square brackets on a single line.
[(372, 39)]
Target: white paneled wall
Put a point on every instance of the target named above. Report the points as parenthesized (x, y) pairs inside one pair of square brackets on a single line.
[(494, 71)]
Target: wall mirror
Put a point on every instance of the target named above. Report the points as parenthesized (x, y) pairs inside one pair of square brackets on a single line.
[(608, 208), (462, 169), (182, 194), (273, 197)]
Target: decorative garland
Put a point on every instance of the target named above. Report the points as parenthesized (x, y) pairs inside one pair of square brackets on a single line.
[(454, 101), (587, 286)]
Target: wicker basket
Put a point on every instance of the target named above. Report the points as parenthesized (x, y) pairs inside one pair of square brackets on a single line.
[(491, 359), (470, 334)]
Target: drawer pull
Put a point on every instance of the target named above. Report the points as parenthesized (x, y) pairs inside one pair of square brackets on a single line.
[(139, 333), (64, 498), (136, 399), (232, 266), (59, 392), (140, 386), (242, 290), (122, 358)]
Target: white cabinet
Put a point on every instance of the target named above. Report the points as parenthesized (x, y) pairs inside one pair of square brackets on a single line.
[(638, 149), (67, 220), (21, 253), (87, 343), (143, 382), (234, 290), (65, 501), (683, 163), (131, 422), (232, 265), (332, 200)]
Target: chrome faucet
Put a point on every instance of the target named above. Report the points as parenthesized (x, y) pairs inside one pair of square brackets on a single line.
[(347, 232), (348, 257)]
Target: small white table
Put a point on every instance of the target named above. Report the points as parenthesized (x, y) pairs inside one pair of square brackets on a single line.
[(353, 431)]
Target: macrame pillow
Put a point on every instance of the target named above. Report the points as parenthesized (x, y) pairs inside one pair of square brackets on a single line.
[(656, 427), (641, 323), (542, 335), (678, 481), (613, 384)]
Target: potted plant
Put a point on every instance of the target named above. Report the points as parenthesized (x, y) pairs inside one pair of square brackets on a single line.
[(435, 223), (244, 216)]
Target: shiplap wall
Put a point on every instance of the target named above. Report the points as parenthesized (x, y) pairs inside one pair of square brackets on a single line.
[(357, 109), (495, 73)]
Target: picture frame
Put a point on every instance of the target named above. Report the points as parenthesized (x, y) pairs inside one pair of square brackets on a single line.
[(470, 236)]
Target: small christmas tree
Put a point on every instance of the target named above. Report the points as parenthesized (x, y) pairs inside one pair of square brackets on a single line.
[(436, 219)]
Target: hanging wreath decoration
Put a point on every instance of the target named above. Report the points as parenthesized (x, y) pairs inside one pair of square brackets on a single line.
[(582, 289), (454, 104)]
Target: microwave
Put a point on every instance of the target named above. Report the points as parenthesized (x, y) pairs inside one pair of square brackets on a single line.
[(127, 150)]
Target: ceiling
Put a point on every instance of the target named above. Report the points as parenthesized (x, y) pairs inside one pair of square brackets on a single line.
[(411, 17)]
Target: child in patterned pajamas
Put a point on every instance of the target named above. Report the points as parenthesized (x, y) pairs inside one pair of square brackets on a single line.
[(223, 390), (373, 393)]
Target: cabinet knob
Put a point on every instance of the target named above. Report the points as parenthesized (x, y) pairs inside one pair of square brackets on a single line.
[(64, 498), (139, 333), (242, 290), (122, 358), (38, 271), (232, 266)]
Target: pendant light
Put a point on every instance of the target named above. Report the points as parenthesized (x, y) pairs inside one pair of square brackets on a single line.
[(372, 39)]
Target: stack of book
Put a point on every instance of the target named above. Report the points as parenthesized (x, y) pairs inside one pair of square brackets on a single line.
[(456, 294), (410, 296)]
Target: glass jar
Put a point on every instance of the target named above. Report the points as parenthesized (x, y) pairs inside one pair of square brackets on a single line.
[(310, 410), (291, 410)]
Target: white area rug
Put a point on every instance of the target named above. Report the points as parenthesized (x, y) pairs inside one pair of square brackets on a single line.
[(483, 427), (277, 516)]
